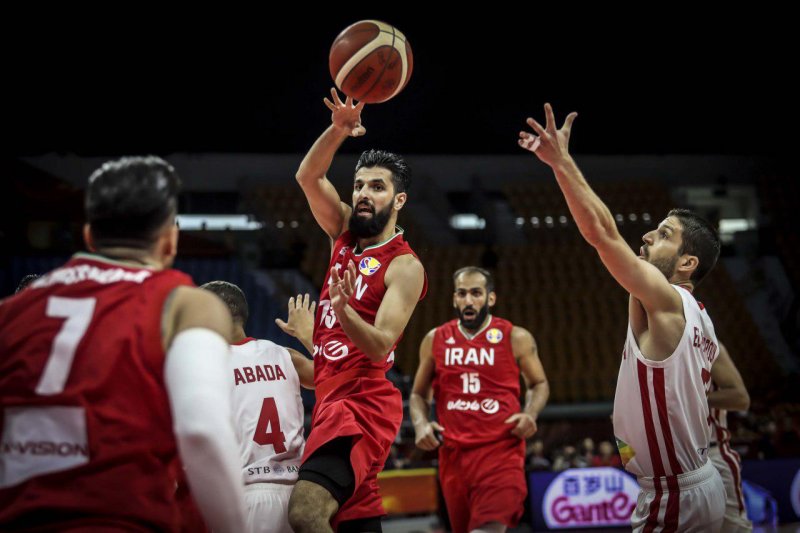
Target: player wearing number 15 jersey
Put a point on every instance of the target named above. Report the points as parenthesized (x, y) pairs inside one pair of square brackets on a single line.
[(474, 364), (267, 409), (111, 364)]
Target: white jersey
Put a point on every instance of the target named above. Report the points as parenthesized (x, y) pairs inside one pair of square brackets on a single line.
[(268, 411), (719, 422), (660, 407)]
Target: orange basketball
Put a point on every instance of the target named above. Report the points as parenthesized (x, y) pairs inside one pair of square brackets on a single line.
[(371, 61)]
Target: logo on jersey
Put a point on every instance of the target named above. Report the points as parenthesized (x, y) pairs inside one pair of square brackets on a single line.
[(490, 406), (343, 250), (368, 266), (451, 340), (334, 350), (625, 451), (494, 335), (463, 405)]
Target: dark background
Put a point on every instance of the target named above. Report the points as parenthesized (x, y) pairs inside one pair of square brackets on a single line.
[(670, 81)]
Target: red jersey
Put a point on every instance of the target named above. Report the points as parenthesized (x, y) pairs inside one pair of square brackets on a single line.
[(476, 382), (334, 352), (354, 398), (87, 431)]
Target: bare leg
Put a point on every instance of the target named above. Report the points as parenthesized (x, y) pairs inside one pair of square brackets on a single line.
[(311, 508)]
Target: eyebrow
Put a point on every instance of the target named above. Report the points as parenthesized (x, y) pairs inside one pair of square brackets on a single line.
[(373, 180), (667, 226), (469, 289)]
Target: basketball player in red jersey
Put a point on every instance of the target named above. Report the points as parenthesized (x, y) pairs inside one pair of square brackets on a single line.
[(110, 365), (474, 363), (728, 393), (660, 407), (374, 282)]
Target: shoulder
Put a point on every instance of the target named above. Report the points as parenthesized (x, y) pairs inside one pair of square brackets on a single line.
[(405, 267), (521, 335)]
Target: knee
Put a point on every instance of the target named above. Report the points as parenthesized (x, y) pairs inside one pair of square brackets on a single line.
[(309, 508)]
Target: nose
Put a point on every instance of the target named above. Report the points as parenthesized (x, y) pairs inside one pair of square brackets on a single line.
[(648, 238)]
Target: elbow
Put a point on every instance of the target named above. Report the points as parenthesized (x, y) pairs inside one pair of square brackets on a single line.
[(744, 404)]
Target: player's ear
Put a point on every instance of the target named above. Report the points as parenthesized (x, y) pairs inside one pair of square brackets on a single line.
[(492, 299), (687, 264), (400, 200), (88, 238)]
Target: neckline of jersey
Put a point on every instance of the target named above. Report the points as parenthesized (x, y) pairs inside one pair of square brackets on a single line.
[(398, 231), (467, 335)]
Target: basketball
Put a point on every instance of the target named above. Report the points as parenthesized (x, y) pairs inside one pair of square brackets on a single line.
[(371, 61)]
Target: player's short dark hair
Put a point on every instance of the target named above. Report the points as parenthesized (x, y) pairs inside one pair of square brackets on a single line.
[(401, 172), (232, 296), (129, 199), (27, 280), (476, 270), (699, 238)]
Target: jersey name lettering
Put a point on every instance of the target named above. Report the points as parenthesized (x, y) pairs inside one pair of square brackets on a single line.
[(456, 356), (257, 373)]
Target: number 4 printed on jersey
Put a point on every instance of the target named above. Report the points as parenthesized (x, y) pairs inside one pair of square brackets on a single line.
[(268, 429)]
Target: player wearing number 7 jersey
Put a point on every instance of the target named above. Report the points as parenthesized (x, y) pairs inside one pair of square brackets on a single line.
[(111, 364), (474, 365), (267, 409)]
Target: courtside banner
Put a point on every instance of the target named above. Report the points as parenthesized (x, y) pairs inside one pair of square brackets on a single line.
[(582, 498)]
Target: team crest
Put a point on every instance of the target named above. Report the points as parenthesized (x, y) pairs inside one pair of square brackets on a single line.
[(368, 266), (494, 335)]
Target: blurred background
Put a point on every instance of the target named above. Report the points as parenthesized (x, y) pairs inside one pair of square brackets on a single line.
[(673, 112)]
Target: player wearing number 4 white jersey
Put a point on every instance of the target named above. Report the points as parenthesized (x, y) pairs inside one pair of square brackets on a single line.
[(728, 393), (109, 365), (267, 409), (660, 408)]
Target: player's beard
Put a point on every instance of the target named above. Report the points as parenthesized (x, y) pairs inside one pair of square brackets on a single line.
[(364, 228), (477, 321), (666, 265)]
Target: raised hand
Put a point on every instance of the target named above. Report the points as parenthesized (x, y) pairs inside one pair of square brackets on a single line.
[(342, 288), (346, 116), (300, 319), (549, 144)]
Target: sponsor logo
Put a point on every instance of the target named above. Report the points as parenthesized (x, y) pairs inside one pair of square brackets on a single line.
[(451, 340), (344, 250), (490, 406), (589, 497), (368, 266), (334, 350), (60, 442), (494, 335), (463, 405)]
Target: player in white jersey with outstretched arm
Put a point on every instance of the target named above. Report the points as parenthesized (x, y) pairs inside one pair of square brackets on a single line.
[(728, 393), (267, 408), (660, 407)]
